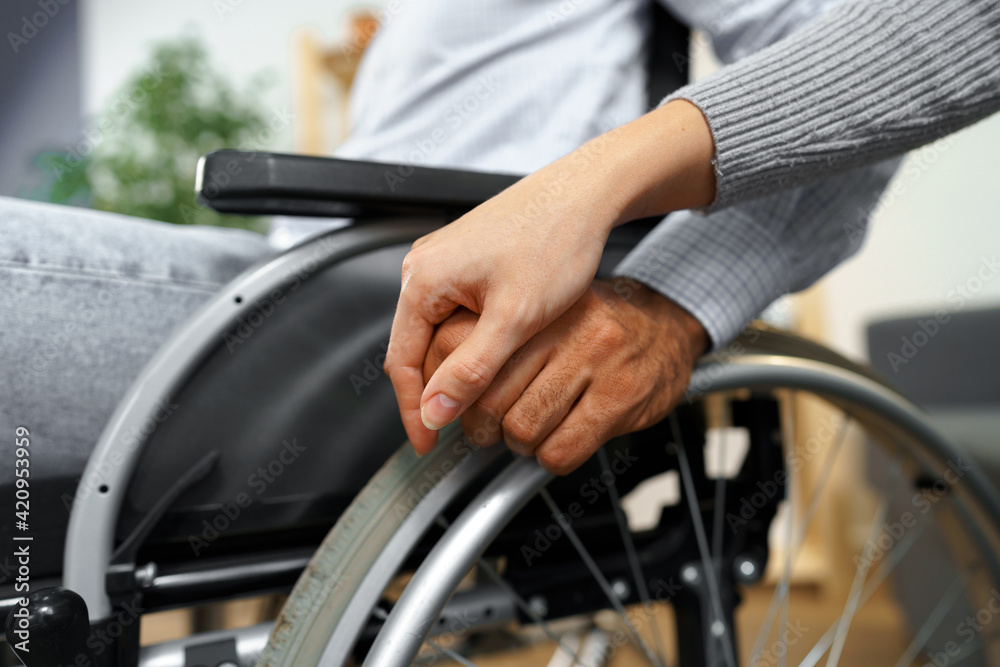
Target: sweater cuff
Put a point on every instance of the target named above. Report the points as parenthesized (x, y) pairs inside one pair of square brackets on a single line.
[(866, 81), (724, 269)]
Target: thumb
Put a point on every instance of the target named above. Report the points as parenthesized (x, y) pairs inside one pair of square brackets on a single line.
[(466, 373)]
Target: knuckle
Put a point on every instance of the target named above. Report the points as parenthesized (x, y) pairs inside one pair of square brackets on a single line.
[(448, 336), (610, 333), (519, 427), (390, 364), (481, 429), (408, 265), (554, 460), (471, 373)]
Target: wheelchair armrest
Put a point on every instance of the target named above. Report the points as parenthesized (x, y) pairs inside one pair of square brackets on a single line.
[(254, 183)]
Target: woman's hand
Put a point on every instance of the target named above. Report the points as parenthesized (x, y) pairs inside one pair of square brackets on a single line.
[(617, 361), (522, 258)]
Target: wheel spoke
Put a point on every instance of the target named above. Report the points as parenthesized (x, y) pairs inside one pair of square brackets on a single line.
[(972, 649), (787, 575), (448, 653), (857, 586), (699, 530), (789, 540), (382, 615), (940, 610), (720, 501), (881, 574), (781, 591), (522, 604), (633, 557), (598, 576)]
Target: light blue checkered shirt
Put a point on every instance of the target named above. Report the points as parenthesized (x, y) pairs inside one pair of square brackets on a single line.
[(510, 85)]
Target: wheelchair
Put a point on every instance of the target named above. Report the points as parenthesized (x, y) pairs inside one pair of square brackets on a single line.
[(260, 451)]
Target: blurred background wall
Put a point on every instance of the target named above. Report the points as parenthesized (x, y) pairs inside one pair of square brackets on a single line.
[(938, 227), (244, 38), (40, 88)]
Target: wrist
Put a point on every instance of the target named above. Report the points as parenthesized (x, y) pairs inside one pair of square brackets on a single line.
[(663, 162), (669, 315)]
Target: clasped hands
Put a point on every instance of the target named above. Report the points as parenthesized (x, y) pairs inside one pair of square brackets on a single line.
[(617, 361), (500, 322)]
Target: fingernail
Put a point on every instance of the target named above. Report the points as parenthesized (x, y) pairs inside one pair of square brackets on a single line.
[(439, 411)]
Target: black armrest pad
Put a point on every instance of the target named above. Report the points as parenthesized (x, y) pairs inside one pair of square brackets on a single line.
[(254, 183)]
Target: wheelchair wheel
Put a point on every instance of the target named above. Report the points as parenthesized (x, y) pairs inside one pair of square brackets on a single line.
[(468, 553)]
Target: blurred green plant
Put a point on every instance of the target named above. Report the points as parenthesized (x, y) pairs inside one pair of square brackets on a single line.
[(140, 157)]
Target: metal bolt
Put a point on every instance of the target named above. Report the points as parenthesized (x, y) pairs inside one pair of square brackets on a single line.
[(145, 575), (539, 605), (718, 628), (620, 588), (747, 569), (689, 574)]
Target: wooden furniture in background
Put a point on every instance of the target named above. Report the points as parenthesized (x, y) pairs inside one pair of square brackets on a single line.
[(323, 79)]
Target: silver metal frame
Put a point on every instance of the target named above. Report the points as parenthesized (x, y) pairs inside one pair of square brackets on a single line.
[(90, 537), (391, 558), (417, 609), (415, 612)]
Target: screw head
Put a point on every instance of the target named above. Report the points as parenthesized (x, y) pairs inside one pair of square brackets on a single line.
[(689, 573), (718, 628), (539, 605), (620, 588), (747, 569), (145, 575)]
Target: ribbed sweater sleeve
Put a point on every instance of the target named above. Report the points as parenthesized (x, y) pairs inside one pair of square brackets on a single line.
[(868, 80)]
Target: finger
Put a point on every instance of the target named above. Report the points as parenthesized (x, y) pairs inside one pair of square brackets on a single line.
[(447, 336), (468, 371), (542, 406), (482, 420), (408, 343), (576, 437)]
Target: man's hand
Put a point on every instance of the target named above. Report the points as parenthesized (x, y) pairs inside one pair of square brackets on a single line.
[(522, 258), (617, 361)]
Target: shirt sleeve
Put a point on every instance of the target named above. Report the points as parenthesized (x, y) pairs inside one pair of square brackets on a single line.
[(726, 267), (868, 80)]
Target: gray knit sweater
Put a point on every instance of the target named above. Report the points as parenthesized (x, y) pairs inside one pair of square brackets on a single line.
[(868, 80)]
